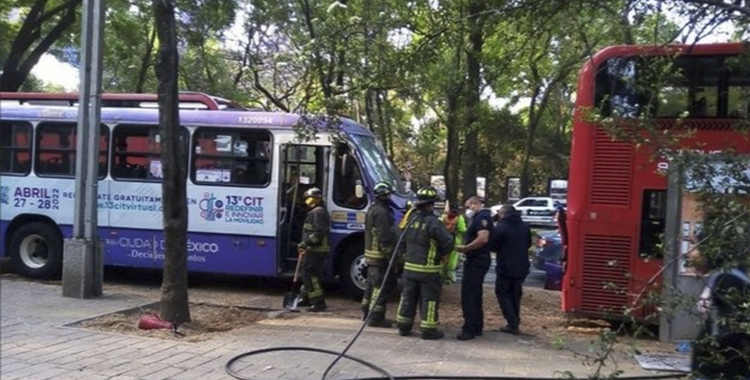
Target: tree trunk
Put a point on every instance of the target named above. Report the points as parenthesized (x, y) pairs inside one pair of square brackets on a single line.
[(527, 150), (317, 58), (145, 62), (174, 295), (452, 162), (31, 42), (471, 145)]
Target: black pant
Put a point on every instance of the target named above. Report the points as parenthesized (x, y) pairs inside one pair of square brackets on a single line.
[(472, 284), (509, 291), (313, 265), (423, 290), (375, 298)]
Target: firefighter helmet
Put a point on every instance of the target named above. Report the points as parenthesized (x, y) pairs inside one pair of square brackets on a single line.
[(426, 195), (313, 192), (382, 188)]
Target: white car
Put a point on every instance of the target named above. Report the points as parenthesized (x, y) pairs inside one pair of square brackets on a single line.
[(538, 211)]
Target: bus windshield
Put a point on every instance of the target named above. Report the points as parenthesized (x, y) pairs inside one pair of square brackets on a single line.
[(379, 166)]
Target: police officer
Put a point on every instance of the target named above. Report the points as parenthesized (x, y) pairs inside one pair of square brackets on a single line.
[(380, 239), (477, 264), (314, 250), (511, 240), (426, 243)]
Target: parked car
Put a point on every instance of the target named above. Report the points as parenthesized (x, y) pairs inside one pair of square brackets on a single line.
[(548, 249), (538, 211)]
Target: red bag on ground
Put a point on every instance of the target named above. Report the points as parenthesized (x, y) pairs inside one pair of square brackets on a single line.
[(152, 322)]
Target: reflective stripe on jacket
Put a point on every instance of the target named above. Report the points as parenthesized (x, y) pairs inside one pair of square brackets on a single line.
[(380, 236), (427, 241), (315, 230)]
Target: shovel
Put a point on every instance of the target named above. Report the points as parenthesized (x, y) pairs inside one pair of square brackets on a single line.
[(291, 298)]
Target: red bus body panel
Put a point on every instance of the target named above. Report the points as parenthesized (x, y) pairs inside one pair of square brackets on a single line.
[(607, 181)]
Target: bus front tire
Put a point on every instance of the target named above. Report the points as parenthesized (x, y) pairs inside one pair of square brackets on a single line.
[(36, 251), (352, 272)]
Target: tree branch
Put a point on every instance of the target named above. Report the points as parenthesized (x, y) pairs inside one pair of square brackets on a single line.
[(723, 5), (258, 86)]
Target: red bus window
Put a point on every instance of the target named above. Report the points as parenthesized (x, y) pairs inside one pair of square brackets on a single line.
[(238, 157), (653, 221), (738, 89), (15, 147), (56, 149), (696, 87), (136, 152)]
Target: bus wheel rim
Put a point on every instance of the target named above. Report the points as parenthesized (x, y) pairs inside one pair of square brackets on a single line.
[(34, 251), (357, 272)]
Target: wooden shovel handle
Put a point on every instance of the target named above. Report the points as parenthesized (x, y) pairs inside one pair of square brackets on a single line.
[(296, 270)]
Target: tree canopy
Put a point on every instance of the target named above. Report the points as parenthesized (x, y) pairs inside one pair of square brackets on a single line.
[(460, 88)]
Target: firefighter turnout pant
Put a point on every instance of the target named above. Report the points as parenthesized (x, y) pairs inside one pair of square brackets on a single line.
[(375, 298), (419, 289), (313, 265)]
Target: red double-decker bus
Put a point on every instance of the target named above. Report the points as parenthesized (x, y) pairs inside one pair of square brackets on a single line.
[(617, 188)]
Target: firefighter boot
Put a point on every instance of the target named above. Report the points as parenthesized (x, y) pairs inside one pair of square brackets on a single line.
[(404, 330), (318, 307), (432, 334), (379, 322)]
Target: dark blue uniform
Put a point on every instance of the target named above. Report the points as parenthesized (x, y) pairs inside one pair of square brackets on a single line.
[(511, 240), (475, 268)]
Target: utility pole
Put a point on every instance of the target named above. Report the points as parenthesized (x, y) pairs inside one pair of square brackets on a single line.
[(83, 265)]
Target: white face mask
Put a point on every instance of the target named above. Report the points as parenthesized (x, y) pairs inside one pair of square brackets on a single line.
[(470, 213)]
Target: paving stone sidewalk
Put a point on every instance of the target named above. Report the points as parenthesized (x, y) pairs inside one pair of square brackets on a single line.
[(35, 345)]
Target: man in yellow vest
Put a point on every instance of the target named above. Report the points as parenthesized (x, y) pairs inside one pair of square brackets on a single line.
[(455, 223)]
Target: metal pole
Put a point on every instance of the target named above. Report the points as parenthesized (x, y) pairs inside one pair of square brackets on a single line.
[(94, 118), (82, 139), (82, 261), (672, 236)]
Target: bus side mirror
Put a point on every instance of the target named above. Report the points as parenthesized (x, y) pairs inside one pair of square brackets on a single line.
[(359, 190)]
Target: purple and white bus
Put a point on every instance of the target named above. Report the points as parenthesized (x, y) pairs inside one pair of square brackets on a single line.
[(247, 172)]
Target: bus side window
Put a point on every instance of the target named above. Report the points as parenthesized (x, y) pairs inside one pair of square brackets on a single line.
[(56, 149), (231, 156), (653, 217), (136, 152), (15, 147), (346, 177), (738, 91)]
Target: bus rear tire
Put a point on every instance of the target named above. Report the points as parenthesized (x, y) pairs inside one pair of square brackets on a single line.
[(36, 251), (353, 271)]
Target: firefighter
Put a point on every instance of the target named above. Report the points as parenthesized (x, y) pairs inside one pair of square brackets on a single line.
[(380, 239), (314, 250), (456, 226), (427, 242)]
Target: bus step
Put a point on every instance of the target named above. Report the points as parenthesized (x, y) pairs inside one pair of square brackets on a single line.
[(290, 263)]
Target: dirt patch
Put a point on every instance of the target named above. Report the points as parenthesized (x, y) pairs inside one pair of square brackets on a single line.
[(207, 322), (542, 318)]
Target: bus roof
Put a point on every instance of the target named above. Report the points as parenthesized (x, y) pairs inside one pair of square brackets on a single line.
[(249, 119), (656, 50), (188, 100)]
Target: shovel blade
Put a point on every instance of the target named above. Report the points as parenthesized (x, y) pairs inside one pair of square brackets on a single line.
[(290, 301)]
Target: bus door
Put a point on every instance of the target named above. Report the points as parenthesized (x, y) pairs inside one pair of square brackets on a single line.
[(302, 167), (650, 241)]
